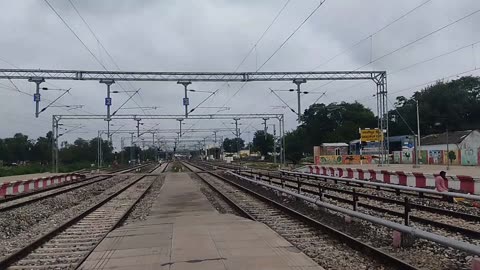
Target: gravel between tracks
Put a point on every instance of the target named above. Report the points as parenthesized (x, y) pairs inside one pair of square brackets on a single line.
[(324, 249), (24, 224), (423, 254), (472, 225), (216, 200), (413, 198), (142, 209)]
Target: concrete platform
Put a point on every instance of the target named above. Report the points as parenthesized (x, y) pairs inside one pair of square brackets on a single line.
[(185, 232)]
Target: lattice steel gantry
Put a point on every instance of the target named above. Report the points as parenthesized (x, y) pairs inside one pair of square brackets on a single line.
[(379, 77)]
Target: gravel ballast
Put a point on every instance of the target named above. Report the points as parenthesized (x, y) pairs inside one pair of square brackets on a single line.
[(422, 254), (24, 224)]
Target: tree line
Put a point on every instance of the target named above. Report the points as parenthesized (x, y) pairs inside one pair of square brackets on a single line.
[(21, 148), (454, 105)]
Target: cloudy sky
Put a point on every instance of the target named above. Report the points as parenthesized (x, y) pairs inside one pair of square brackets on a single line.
[(215, 35)]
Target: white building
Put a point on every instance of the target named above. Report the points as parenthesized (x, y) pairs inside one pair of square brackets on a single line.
[(457, 140)]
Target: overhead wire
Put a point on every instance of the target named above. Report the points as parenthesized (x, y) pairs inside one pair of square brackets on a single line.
[(393, 73), (279, 47), (292, 34), (349, 48), (283, 101), (399, 114), (80, 40), (105, 49), (409, 44), (425, 83), (263, 35), (370, 36), (249, 53), (254, 47)]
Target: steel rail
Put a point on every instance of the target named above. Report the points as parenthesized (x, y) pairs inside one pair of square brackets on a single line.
[(392, 189), (453, 228), (407, 188), (445, 241), (417, 206), (24, 251), (57, 190), (358, 245), (230, 202), (52, 187), (124, 215)]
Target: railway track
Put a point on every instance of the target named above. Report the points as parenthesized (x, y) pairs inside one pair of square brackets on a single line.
[(345, 194), (67, 245), (451, 221), (31, 197), (331, 249)]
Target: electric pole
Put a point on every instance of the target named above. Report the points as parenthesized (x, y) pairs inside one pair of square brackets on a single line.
[(138, 126), (108, 103), (132, 148), (36, 96), (180, 124), (298, 82), (237, 135), (186, 102), (265, 128)]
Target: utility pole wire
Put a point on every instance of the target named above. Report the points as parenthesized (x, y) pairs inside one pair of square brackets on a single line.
[(128, 99), (399, 114), (426, 83), (286, 104), (415, 64), (51, 103), (246, 56), (101, 44), (78, 38), (371, 35), (293, 33), (409, 44), (323, 94), (75, 34), (279, 48), (254, 47), (263, 34), (25, 93), (5, 61), (203, 101)]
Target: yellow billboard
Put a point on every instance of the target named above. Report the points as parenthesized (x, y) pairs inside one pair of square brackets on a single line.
[(371, 135)]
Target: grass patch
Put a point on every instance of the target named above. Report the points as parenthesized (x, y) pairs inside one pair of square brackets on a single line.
[(37, 168), (8, 171)]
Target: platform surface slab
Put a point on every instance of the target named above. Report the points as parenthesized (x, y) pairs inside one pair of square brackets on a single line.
[(184, 232)]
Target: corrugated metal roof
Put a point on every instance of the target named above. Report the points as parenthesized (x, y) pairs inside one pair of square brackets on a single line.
[(334, 144), (454, 137)]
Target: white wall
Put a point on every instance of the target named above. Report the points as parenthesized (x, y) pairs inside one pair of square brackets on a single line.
[(452, 147), (472, 141)]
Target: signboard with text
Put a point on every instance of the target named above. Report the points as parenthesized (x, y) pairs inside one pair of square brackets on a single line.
[(371, 135)]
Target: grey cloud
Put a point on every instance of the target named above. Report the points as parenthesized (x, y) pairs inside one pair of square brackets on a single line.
[(215, 36)]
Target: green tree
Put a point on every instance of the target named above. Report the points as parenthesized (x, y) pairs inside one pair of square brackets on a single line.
[(263, 142), (295, 145), (336, 122), (230, 145), (455, 104), (17, 148), (42, 150)]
